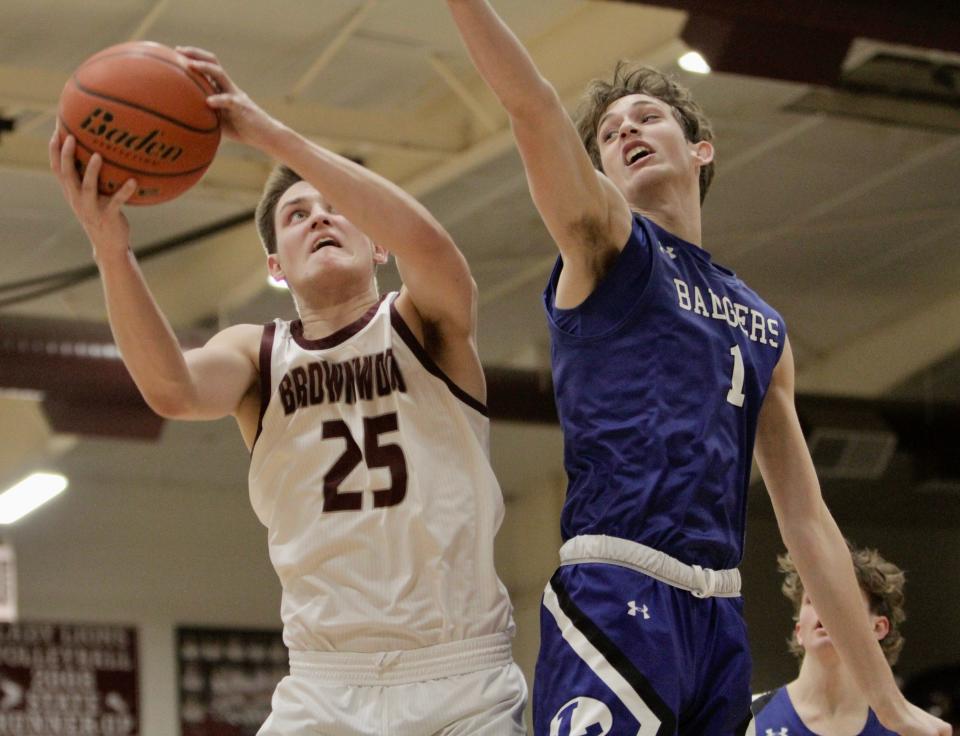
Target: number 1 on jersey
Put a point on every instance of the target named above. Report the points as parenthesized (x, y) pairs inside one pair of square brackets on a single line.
[(735, 395)]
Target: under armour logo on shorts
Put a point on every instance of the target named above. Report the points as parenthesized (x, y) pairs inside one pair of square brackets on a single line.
[(782, 732), (633, 609)]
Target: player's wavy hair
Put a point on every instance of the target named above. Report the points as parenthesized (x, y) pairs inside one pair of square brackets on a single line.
[(629, 79), (280, 180), (881, 580)]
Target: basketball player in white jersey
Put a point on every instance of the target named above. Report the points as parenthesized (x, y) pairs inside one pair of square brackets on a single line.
[(368, 434)]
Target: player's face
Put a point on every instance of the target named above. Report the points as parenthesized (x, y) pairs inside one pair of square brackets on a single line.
[(643, 148), (315, 242), (815, 639)]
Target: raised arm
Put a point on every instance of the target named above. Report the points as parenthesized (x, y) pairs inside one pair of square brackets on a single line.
[(206, 383), (585, 214), (434, 272), (817, 548)]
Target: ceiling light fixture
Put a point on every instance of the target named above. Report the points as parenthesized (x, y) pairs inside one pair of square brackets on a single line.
[(31, 492), (693, 62)]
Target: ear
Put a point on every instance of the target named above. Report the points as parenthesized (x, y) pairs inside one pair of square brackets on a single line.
[(796, 634), (881, 627), (274, 268), (702, 151), (380, 254)]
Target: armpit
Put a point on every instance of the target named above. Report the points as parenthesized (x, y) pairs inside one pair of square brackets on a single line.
[(598, 250)]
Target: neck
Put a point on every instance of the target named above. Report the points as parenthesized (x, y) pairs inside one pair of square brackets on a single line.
[(322, 317), (825, 686), (679, 215)]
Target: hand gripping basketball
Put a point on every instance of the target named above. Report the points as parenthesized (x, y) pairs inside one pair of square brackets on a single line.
[(142, 108), (240, 117)]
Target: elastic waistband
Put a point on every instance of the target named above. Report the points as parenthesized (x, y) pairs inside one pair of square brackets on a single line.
[(403, 666), (701, 582)]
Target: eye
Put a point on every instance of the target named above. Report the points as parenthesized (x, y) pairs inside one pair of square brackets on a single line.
[(607, 135), (648, 117), (298, 215)]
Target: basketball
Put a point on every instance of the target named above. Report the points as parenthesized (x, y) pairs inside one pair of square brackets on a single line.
[(144, 111)]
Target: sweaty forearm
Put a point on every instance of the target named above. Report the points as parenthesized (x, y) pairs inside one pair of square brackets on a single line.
[(147, 344)]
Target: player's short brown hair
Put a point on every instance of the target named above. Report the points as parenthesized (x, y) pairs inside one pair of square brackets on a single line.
[(881, 580), (280, 180), (629, 79)]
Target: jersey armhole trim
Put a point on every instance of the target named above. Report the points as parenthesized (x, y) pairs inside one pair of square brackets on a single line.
[(638, 304), (760, 701), (406, 334), (266, 355)]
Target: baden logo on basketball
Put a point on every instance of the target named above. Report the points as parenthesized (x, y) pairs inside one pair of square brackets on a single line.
[(99, 123), (582, 716)]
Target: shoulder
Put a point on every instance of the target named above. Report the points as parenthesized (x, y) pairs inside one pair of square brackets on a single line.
[(243, 338)]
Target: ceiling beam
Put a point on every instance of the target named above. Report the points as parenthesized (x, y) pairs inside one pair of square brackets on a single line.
[(345, 32), (880, 360), (797, 222)]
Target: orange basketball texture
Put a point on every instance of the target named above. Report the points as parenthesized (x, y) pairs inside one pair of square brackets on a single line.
[(144, 111)]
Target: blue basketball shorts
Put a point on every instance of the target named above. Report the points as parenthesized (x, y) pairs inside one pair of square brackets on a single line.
[(624, 654)]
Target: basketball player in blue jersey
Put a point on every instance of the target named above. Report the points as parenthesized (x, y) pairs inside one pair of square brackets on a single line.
[(368, 432), (824, 699), (669, 374)]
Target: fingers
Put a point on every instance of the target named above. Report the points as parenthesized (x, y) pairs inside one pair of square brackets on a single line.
[(214, 72), (194, 52), (206, 63), (53, 151), (222, 101), (88, 187), (68, 169), (122, 196)]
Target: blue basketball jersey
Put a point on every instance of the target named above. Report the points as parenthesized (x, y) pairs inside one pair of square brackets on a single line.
[(779, 718), (659, 377)]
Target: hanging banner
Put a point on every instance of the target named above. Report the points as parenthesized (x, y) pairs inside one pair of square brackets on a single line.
[(68, 680), (227, 678)]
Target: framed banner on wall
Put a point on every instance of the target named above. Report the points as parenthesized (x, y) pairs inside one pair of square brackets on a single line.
[(68, 679), (226, 679)]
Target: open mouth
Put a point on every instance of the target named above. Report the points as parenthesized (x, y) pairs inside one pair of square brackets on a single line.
[(323, 243), (636, 154)]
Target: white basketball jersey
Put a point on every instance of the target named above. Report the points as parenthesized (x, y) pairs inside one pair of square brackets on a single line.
[(371, 472)]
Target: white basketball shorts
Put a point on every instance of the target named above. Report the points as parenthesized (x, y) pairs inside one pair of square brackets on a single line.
[(469, 688)]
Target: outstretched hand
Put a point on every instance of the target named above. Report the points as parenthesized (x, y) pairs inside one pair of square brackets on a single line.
[(240, 117), (100, 215)]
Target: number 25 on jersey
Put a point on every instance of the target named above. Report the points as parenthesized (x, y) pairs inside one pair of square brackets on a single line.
[(374, 454)]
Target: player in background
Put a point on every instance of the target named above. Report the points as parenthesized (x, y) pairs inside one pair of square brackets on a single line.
[(368, 434), (669, 374), (824, 699)]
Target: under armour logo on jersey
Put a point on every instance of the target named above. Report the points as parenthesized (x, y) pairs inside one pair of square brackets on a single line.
[(782, 732), (582, 717), (633, 610), (668, 250)]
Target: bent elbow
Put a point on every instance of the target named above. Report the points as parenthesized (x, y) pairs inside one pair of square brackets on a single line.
[(168, 404)]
